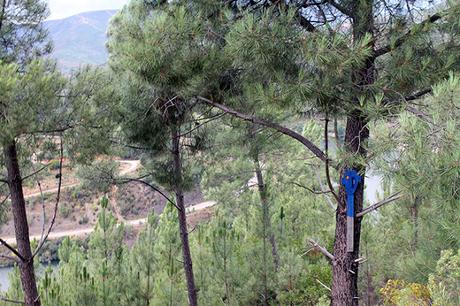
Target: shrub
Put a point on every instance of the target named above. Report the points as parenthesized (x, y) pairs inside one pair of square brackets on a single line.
[(399, 293), (54, 165), (83, 220), (444, 283), (65, 210)]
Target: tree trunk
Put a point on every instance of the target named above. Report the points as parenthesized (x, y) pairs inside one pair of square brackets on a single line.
[(266, 213), (414, 217), (188, 267), (345, 269), (21, 226)]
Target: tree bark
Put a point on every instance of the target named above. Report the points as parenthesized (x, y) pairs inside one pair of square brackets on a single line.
[(178, 186), (21, 227), (345, 269), (266, 213), (414, 217)]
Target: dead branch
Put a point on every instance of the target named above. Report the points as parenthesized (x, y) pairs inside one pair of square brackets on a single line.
[(4, 299), (321, 249), (425, 117), (319, 282), (141, 181), (326, 151), (390, 47), (377, 205), (310, 189), (35, 172), (328, 199), (9, 258), (13, 250), (58, 198)]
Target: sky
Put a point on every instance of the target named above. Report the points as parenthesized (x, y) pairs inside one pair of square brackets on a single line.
[(65, 8)]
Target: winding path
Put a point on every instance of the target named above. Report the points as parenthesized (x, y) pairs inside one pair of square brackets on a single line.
[(86, 231), (133, 165)]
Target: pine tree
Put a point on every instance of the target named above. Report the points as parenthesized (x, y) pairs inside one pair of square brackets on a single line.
[(376, 74), (156, 101)]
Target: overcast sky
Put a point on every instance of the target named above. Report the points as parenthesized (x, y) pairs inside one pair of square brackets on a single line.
[(64, 8)]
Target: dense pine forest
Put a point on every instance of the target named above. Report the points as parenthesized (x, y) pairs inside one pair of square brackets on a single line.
[(247, 152)]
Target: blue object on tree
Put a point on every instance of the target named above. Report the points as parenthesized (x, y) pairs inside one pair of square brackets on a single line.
[(350, 181)]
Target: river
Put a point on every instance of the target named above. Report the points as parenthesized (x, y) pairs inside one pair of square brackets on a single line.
[(5, 271)]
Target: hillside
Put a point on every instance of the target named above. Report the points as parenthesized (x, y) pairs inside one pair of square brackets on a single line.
[(80, 39)]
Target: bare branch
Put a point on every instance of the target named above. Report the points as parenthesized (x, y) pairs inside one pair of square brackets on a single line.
[(215, 117), (419, 114), (42, 200), (326, 150), (400, 41), (4, 299), (377, 205), (140, 180), (13, 250), (35, 172), (4, 200), (321, 249), (288, 132), (319, 282), (418, 94), (340, 8), (309, 189), (58, 197), (9, 258), (328, 199)]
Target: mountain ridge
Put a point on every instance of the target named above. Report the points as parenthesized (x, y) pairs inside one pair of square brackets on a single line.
[(80, 39)]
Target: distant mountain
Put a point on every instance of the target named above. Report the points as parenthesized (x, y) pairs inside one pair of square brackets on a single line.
[(80, 39)]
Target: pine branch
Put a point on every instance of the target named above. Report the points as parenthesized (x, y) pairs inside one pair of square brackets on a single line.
[(288, 132), (323, 188)]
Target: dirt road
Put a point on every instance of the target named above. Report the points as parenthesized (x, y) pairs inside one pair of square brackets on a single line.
[(86, 231), (132, 166)]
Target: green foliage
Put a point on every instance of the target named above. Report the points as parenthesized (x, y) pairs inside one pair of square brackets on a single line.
[(98, 176), (22, 33), (444, 283), (163, 56), (32, 95), (65, 210)]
